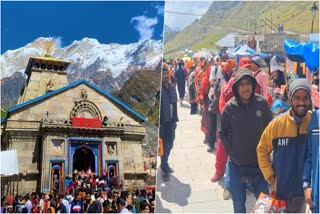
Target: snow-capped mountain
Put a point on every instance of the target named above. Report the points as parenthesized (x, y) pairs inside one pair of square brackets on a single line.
[(106, 65)]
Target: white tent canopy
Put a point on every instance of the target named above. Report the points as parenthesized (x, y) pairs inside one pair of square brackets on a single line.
[(314, 37), (228, 41), (243, 50), (9, 163)]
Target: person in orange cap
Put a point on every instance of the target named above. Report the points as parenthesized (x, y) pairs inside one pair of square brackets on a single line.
[(221, 155), (245, 62)]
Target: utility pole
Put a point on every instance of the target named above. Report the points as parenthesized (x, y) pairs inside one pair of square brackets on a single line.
[(271, 24), (255, 26)]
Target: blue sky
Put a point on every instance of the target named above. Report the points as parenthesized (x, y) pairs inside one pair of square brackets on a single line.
[(107, 21)]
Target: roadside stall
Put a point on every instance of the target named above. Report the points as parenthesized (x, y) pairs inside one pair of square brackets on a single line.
[(303, 62)]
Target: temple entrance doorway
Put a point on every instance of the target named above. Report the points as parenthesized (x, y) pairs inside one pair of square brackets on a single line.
[(84, 159)]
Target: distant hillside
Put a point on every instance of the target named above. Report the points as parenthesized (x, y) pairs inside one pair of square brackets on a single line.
[(168, 29), (169, 33), (224, 17), (141, 93)]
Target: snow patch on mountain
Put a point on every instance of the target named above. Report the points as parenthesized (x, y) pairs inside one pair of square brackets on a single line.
[(86, 53)]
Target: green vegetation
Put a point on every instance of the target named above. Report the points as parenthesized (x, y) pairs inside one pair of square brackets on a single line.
[(140, 93), (3, 114), (226, 17)]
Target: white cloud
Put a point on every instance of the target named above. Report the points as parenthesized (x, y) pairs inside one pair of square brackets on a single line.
[(180, 21), (58, 41), (160, 9), (144, 26)]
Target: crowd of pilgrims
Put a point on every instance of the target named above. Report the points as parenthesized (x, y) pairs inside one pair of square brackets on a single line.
[(84, 193), (207, 85)]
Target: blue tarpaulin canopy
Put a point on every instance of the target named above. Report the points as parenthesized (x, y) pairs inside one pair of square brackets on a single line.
[(303, 52), (265, 55)]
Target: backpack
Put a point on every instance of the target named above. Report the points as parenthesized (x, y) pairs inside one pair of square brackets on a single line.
[(216, 90)]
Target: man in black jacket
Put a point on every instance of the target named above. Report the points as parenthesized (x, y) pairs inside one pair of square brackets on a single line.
[(168, 119), (242, 122), (180, 77)]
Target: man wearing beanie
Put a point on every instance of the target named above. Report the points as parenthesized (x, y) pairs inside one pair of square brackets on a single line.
[(286, 138), (243, 120)]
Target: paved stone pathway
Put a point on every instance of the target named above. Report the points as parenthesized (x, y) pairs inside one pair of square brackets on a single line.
[(190, 189)]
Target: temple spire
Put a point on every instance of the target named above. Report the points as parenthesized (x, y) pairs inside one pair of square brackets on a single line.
[(47, 54), (44, 74)]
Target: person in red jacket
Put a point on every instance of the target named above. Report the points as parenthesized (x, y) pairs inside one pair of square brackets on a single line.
[(221, 155), (204, 101), (245, 62)]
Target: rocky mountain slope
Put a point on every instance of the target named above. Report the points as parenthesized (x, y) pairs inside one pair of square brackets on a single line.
[(141, 92), (107, 65)]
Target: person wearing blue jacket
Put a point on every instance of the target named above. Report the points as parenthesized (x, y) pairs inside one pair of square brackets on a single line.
[(280, 104), (311, 164)]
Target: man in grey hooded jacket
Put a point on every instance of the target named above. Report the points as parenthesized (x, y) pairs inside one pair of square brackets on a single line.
[(242, 122)]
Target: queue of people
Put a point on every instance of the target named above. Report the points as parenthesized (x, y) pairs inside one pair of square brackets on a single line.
[(266, 136)]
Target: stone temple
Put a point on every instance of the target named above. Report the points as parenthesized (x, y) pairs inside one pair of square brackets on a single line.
[(57, 127)]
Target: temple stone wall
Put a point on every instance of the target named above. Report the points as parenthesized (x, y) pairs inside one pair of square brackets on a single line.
[(132, 163), (128, 152), (28, 153), (38, 81), (58, 79), (131, 154), (53, 108), (16, 125), (54, 148)]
